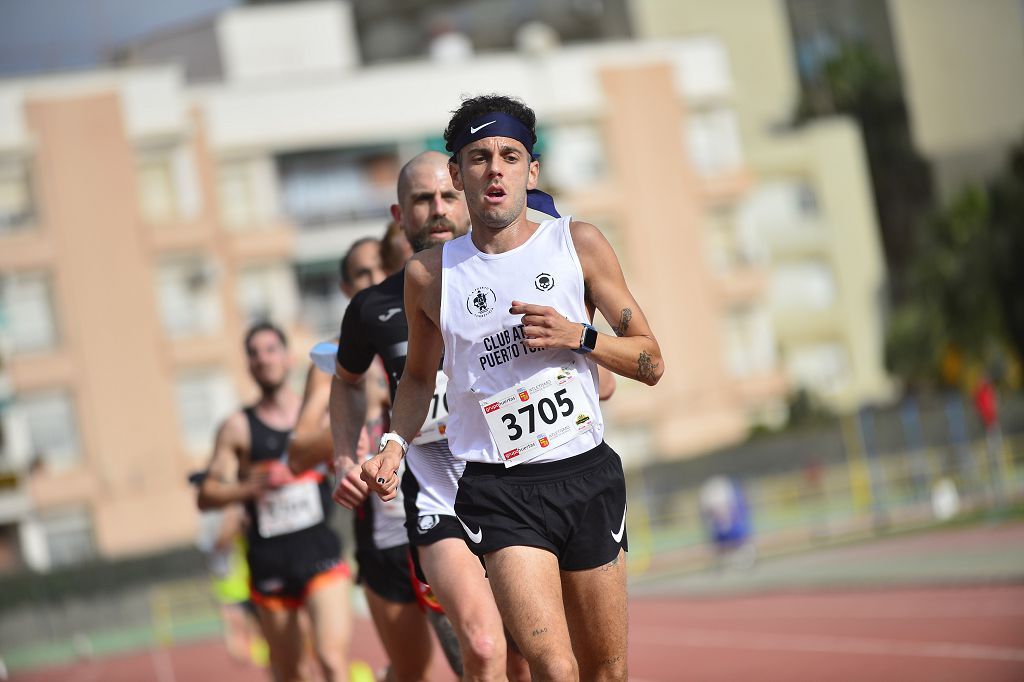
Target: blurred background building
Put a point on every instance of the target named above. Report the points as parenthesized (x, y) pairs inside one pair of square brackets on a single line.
[(175, 182)]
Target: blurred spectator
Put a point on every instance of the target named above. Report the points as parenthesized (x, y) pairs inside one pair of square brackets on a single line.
[(395, 249), (727, 522)]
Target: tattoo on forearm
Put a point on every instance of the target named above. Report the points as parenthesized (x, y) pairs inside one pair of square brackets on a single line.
[(538, 631), (624, 317), (645, 367)]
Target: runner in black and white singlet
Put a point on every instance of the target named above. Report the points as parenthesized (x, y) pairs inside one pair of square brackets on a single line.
[(509, 307), (381, 545), (294, 558), (431, 212)]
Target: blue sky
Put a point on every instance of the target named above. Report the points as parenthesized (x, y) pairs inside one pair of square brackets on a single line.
[(38, 36)]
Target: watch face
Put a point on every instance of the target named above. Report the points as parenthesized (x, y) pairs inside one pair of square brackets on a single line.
[(590, 338)]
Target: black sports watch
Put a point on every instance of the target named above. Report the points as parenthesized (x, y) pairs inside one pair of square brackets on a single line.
[(588, 339)]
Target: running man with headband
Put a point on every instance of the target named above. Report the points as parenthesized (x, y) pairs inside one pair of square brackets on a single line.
[(509, 306)]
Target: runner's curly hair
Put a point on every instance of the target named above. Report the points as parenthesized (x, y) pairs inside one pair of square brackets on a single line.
[(472, 107)]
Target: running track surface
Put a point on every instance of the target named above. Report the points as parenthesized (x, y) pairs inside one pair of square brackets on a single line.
[(964, 633)]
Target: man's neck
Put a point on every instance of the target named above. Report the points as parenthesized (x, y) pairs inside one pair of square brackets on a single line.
[(501, 239), (277, 400)]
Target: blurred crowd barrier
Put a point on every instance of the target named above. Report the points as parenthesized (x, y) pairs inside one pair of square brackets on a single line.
[(820, 504), (843, 480)]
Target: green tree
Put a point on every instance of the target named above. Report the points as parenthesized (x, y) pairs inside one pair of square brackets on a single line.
[(964, 313), (1007, 246)]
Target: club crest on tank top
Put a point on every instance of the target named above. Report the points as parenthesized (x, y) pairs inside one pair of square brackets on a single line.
[(508, 402)]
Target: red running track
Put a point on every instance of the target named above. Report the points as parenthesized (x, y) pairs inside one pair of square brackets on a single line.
[(970, 634)]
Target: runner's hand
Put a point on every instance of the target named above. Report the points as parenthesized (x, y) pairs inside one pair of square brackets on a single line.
[(350, 492), (258, 481), (545, 327), (380, 472), (279, 473)]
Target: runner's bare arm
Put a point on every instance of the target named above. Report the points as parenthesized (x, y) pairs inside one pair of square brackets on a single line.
[(222, 486), (348, 413), (422, 300), (633, 352), (311, 441), (605, 383)]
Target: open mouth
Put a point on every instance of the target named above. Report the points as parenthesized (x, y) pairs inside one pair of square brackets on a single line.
[(494, 195)]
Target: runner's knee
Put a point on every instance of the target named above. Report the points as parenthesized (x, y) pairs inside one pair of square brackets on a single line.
[(553, 666), (333, 663), (483, 650), (609, 670)]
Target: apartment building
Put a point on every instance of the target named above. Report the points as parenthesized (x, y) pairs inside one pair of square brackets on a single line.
[(149, 218), (125, 297), (809, 219)]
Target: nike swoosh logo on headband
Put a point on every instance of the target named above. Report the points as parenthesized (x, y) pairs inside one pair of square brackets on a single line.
[(472, 130)]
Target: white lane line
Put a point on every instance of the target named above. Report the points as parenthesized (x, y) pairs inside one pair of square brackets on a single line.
[(802, 643), (162, 665), (842, 611)]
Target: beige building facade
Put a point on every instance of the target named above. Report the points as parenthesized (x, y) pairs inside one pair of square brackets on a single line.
[(808, 219), (159, 218), (122, 321)]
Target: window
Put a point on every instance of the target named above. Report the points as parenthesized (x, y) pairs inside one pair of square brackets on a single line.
[(16, 205), (26, 312), (48, 421), (729, 245), (782, 210), (823, 368), (750, 342), (574, 157), (267, 292), (156, 190), (803, 286), (332, 186), (713, 140), (69, 537), (246, 189), (322, 302), (168, 187), (205, 398), (187, 290)]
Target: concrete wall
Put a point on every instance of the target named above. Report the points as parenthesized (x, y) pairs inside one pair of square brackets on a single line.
[(963, 72)]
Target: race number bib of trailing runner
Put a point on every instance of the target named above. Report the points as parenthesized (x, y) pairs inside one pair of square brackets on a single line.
[(537, 415), (436, 423), (292, 507)]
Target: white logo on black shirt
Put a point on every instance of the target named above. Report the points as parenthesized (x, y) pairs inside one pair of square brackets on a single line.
[(384, 317)]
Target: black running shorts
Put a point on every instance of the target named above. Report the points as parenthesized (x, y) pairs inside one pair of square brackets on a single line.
[(386, 572), (424, 529), (574, 508)]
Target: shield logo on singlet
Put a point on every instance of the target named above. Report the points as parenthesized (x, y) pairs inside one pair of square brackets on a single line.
[(544, 282), (481, 301)]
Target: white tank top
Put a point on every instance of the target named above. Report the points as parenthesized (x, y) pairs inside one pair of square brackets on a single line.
[(485, 352)]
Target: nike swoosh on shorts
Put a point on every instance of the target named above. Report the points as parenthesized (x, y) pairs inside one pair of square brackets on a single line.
[(622, 528), (476, 537)]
